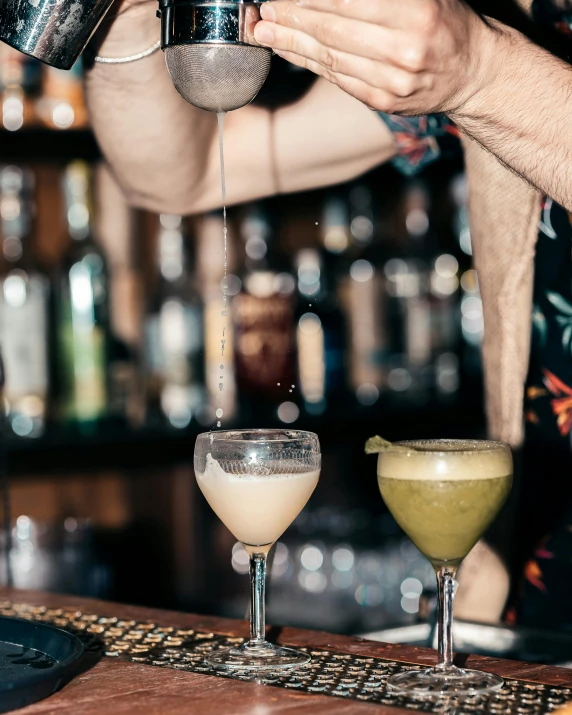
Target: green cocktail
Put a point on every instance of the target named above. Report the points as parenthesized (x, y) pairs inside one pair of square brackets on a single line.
[(445, 517), (445, 494)]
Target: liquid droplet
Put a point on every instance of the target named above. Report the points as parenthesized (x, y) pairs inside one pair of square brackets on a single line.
[(218, 424), (278, 384), (224, 282)]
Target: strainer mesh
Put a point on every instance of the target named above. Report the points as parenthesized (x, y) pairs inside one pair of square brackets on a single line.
[(218, 78)]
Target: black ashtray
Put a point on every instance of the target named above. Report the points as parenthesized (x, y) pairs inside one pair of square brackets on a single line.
[(36, 659)]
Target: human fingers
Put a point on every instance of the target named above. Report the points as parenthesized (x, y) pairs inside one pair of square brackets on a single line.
[(294, 29), (375, 98), (397, 14)]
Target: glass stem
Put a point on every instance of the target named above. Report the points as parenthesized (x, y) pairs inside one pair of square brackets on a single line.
[(445, 595), (257, 595)]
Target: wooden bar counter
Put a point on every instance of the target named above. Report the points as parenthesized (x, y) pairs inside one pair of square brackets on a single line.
[(120, 687)]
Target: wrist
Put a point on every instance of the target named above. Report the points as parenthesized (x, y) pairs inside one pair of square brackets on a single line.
[(489, 54), (130, 27)]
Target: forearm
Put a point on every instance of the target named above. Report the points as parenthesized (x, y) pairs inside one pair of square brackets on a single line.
[(325, 138), (140, 121), (164, 152), (521, 110)]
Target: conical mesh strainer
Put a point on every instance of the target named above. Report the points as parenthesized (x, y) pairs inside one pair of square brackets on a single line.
[(218, 78), (210, 52)]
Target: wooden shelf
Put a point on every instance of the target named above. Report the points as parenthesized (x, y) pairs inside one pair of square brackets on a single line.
[(41, 145), (118, 446)]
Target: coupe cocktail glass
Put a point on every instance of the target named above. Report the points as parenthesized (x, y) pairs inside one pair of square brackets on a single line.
[(257, 482), (445, 494)]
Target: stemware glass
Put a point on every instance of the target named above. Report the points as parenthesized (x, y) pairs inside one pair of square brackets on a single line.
[(257, 482), (445, 494)]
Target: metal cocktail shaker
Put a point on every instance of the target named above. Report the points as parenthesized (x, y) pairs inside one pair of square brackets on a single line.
[(53, 31)]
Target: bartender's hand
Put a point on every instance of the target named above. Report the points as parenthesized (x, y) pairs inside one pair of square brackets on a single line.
[(398, 56)]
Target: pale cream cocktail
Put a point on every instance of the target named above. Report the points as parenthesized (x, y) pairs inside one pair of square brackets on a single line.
[(256, 509)]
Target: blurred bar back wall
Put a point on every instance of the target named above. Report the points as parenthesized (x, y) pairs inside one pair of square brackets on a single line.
[(355, 311)]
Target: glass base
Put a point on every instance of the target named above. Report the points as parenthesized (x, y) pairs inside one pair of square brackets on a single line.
[(436, 682), (259, 656)]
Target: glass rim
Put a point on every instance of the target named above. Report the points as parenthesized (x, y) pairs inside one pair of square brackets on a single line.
[(227, 2), (228, 436), (487, 446)]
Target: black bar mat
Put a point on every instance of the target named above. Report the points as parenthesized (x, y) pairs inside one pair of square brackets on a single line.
[(329, 673)]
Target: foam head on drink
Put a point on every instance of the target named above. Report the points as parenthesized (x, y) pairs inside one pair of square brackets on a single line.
[(445, 495), (256, 508)]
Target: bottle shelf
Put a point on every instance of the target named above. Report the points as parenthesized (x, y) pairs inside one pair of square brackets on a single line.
[(64, 451), (394, 415), (37, 144)]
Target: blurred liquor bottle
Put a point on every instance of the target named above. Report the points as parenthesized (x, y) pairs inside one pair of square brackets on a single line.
[(444, 295), (320, 335), (219, 356), (407, 287), (334, 230), (361, 293), (472, 323), (263, 313), (174, 346), (61, 104), (116, 227), (417, 210), (445, 333), (24, 308), (82, 311), (20, 86), (459, 194)]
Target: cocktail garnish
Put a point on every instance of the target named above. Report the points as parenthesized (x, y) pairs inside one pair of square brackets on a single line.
[(377, 444)]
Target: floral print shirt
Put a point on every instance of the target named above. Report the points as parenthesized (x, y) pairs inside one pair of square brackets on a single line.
[(545, 599), (548, 405)]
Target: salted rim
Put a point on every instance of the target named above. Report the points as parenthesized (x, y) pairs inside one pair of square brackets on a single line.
[(416, 445)]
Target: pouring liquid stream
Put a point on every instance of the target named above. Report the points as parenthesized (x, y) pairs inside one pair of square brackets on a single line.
[(220, 119)]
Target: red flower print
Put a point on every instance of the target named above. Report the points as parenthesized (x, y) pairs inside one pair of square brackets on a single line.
[(535, 392), (562, 402), (541, 550), (533, 575), (510, 617), (531, 417)]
